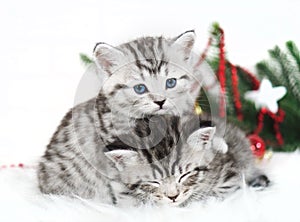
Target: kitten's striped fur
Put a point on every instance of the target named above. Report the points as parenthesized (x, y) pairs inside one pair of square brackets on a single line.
[(180, 173), (75, 163)]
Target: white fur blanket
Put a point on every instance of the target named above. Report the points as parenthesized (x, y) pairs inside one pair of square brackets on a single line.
[(20, 200)]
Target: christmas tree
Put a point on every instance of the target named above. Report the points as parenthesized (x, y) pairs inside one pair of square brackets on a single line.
[(282, 69)]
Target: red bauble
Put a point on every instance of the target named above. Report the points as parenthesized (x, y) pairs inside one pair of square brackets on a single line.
[(258, 145)]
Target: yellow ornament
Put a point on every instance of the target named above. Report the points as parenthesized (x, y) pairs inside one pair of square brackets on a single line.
[(268, 155), (197, 109)]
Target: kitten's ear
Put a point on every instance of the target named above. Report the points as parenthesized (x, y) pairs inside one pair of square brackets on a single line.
[(201, 138), (185, 42), (122, 158), (107, 56)]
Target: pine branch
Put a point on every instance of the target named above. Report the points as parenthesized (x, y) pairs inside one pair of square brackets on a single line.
[(264, 69), (295, 77), (288, 70), (279, 58), (294, 52), (85, 59)]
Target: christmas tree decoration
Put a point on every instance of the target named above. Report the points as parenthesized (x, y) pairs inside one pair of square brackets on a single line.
[(277, 118), (197, 109), (236, 93), (220, 73), (242, 88), (258, 145), (266, 96)]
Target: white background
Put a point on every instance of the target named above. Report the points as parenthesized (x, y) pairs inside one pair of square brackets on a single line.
[(41, 41)]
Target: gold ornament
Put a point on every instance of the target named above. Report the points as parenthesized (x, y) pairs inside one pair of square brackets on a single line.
[(268, 155), (197, 109)]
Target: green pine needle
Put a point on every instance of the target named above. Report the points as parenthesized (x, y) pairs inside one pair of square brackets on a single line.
[(264, 69), (294, 51), (85, 59)]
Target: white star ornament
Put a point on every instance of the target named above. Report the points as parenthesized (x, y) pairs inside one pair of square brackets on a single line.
[(266, 96)]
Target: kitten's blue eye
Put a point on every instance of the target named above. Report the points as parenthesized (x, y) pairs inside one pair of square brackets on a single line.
[(140, 88), (171, 83)]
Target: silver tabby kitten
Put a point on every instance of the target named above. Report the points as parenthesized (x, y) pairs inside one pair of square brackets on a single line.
[(197, 168), (147, 76)]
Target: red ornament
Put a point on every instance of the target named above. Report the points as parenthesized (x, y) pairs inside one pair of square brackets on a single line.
[(258, 145)]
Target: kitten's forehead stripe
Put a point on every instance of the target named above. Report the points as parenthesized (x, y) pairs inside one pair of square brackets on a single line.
[(153, 173), (165, 167), (139, 49), (180, 169), (187, 166), (142, 49), (151, 47), (133, 52), (156, 167), (161, 64)]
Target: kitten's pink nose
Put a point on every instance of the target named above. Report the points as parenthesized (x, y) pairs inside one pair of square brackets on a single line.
[(160, 103), (173, 198)]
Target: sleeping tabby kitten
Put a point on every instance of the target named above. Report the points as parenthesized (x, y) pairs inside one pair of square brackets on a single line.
[(197, 168), (147, 76)]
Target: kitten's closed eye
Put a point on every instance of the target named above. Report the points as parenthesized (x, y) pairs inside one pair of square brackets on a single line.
[(153, 183), (184, 177), (196, 170)]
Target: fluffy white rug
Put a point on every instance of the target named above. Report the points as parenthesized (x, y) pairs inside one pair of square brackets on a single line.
[(20, 200)]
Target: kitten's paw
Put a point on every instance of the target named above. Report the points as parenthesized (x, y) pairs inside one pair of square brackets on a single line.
[(260, 182)]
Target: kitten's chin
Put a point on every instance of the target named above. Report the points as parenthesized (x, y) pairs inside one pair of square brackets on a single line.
[(176, 203), (166, 111), (162, 112)]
